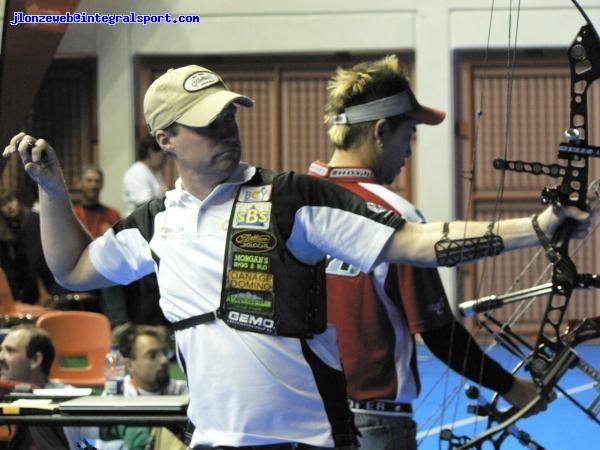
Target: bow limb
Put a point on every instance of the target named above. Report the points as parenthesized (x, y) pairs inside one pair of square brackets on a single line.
[(490, 433), (584, 59), (551, 357)]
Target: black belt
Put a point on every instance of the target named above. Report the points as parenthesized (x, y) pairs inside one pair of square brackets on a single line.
[(379, 405), (195, 320)]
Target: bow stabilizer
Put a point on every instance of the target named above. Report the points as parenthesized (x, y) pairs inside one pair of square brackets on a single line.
[(552, 355)]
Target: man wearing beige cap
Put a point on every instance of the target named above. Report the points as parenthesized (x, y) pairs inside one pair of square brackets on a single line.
[(239, 254), (392, 302)]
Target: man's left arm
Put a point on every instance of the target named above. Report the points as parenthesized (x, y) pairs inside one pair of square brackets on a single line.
[(453, 345), (416, 244), (456, 347)]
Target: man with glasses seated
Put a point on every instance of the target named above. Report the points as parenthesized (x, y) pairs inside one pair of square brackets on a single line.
[(146, 352)]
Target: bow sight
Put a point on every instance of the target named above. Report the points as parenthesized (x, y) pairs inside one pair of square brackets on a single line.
[(552, 354)]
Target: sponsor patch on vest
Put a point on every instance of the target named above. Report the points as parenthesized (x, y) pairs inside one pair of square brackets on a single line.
[(255, 193), (251, 262), (250, 322), (255, 281), (250, 302), (254, 241), (255, 216)]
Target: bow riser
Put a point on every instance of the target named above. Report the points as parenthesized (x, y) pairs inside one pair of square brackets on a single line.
[(584, 62), (552, 356)]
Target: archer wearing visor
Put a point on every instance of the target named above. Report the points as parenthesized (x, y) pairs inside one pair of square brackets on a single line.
[(403, 103), (372, 114)]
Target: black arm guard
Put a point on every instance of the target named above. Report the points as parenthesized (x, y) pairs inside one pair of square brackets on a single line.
[(450, 252)]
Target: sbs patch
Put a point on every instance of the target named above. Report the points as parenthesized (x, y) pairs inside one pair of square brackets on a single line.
[(255, 216)]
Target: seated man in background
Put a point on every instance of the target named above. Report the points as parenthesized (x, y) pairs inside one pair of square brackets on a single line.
[(26, 355), (145, 349)]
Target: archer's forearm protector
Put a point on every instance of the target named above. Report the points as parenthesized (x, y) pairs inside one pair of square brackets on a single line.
[(450, 252)]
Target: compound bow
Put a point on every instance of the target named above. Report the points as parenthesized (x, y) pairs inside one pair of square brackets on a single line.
[(553, 352)]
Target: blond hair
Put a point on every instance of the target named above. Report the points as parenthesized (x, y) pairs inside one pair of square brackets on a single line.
[(362, 83)]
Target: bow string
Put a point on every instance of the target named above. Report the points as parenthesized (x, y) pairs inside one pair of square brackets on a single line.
[(552, 354)]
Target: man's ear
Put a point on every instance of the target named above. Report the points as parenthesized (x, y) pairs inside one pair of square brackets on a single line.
[(165, 141), (36, 360), (379, 128)]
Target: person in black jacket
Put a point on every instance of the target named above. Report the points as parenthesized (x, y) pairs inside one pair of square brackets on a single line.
[(21, 254), (13, 252)]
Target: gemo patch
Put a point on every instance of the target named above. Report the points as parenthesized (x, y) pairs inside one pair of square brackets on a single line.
[(251, 320)]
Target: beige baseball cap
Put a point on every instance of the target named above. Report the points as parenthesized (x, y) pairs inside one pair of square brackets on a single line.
[(190, 95)]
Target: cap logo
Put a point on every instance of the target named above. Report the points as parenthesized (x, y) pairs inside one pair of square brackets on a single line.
[(200, 80)]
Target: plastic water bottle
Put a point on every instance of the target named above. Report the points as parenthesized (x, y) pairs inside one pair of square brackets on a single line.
[(114, 371)]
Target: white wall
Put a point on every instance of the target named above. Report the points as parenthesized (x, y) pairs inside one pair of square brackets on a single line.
[(433, 28), (234, 27)]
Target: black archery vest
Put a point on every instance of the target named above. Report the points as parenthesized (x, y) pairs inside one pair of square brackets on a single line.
[(265, 288)]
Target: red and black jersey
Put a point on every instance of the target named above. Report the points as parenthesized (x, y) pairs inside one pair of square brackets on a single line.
[(376, 313)]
